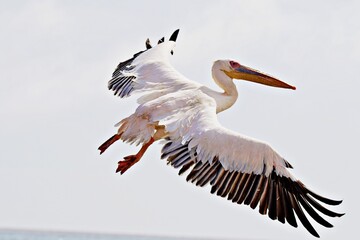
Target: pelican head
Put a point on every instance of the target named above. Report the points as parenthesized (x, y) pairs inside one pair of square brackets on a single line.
[(235, 70)]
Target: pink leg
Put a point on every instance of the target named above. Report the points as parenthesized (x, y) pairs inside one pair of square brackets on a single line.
[(108, 142), (132, 159)]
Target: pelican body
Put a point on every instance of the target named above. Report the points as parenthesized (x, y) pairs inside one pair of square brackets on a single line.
[(183, 114)]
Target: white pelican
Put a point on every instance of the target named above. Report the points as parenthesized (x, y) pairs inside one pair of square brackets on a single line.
[(183, 114)]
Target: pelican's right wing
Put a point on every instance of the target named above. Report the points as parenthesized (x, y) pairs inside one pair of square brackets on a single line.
[(149, 72), (242, 169)]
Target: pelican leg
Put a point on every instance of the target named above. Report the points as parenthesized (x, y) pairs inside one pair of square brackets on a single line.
[(109, 142), (132, 159)]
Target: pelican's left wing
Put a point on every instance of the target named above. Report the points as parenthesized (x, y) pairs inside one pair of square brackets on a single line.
[(149, 72), (238, 168)]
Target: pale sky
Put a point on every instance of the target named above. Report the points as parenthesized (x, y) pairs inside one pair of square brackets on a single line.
[(57, 56)]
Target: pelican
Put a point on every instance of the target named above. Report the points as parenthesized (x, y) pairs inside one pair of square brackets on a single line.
[(182, 113)]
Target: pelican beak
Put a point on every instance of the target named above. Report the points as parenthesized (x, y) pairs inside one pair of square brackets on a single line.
[(252, 75)]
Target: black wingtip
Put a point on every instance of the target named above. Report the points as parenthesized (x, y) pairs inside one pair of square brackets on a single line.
[(148, 44), (161, 40), (174, 35), (323, 199)]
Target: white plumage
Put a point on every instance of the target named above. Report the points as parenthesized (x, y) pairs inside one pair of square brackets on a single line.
[(182, 114)]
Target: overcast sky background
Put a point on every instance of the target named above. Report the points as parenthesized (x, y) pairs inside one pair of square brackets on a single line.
[(57, 56)]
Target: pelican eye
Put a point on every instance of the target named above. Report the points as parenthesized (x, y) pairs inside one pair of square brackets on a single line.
[(234, 64)]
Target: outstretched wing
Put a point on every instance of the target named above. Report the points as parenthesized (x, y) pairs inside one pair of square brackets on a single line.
[(238, 168), (150, 72)]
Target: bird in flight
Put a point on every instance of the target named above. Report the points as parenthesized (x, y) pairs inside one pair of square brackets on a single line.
[(183, 114)]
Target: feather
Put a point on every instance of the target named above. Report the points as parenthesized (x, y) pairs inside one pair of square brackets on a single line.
[(229, 184), (258, 192), (312, 213), (234, 186), (161, 40), (302, 216), (173, 36), (201, 171), (280, 203), (186, 167), (246, 188), (264, 199), (148, 44), (252, 189), (240, 187), (218, 180), (289, 213), (209, 175)]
